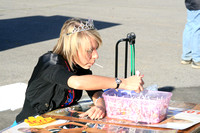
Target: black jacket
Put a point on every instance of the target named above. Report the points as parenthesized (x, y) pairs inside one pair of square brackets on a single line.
[(47, 88), (192, 4)]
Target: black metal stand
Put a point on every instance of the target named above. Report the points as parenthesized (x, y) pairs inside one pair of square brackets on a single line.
[(131, 40)]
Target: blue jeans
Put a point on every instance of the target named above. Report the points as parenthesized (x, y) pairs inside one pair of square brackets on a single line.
[(191, 37)]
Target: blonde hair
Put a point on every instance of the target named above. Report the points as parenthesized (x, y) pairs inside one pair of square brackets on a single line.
[(68, 45)]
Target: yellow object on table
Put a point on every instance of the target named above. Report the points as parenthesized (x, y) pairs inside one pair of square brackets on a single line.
[(39, 120)]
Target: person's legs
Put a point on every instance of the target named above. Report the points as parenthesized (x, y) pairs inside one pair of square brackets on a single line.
[(191, 39), (195, 45), (196, 49), (187, 35)]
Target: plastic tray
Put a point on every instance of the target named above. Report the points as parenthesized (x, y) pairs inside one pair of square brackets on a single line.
[(147, 106)]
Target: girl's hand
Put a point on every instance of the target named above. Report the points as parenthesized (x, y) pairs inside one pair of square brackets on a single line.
[(95, 113), (134, 83)]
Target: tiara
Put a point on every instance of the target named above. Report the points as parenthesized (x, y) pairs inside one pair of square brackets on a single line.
[(89, 25)]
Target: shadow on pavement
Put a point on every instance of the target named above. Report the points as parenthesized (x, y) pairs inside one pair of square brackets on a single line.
[(186, 94), (166, 88), (18, 32)]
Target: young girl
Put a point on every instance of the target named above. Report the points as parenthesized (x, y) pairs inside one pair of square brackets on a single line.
[(60, 75)]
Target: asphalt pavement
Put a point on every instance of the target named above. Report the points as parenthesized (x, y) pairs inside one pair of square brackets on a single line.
[(31, 28)]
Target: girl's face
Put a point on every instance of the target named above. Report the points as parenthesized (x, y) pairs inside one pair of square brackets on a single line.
[(87, 54)]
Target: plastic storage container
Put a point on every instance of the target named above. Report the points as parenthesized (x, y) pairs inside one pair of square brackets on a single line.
[(147, 106)]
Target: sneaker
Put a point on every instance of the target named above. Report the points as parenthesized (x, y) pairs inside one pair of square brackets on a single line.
[(186, 62), (196, 64)]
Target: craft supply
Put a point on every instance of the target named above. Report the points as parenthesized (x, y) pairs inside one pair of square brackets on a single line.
[(38, 120)]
